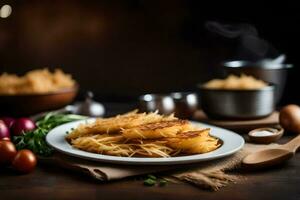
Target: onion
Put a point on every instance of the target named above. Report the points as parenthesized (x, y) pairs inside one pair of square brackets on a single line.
[(22, 125), (289, 118), (9, 121), (4, 131)]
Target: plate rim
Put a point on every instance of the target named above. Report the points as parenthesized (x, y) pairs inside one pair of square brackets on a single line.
[(145, 161)]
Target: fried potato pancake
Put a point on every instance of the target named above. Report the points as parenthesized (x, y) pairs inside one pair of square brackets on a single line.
[(115, 124), (193, 142), (157, 129), (142, 135)]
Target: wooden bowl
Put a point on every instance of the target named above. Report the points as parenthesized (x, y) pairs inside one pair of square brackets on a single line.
[(28, 104), (277, 134)]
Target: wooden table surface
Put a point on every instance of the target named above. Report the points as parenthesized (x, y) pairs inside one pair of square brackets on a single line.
[(50, 182)]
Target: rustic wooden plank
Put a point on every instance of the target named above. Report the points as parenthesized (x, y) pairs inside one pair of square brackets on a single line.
[(48, 182)]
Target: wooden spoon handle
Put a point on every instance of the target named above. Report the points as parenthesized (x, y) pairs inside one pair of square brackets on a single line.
[(293, 145)]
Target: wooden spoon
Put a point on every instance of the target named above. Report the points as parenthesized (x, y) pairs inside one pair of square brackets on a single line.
[(270, 157)]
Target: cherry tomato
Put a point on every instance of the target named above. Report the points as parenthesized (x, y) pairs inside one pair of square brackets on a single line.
[(7, 152), (24, 161)]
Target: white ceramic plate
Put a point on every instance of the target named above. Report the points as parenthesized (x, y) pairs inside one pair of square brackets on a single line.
[(232, 142)]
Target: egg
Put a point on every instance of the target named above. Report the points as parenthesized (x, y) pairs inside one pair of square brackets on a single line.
[(289, 118)]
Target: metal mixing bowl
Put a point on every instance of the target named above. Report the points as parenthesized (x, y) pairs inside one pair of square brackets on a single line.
[(270, 72), (164, 104), (183, 104), (186, 104), (238, 104)]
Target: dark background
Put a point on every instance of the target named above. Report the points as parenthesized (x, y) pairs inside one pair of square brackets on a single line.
[(123, 48)]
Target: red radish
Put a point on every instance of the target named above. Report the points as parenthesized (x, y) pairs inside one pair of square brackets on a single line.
[(9, 121), (22, 125), (4, 131)]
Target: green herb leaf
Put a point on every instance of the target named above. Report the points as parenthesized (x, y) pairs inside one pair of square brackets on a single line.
[(149, 182), (151, 176), (35, 140)]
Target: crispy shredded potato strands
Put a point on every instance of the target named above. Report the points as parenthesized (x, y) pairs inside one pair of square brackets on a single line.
[(39, 81), (142, 135), (232, 82)]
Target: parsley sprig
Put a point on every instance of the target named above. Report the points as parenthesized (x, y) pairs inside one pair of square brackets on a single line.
[(152, 180), (35, 140)]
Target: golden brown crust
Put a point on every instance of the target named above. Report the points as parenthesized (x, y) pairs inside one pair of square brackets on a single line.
[(163, 124), (157, 130), (192, 134), (115, 125)]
